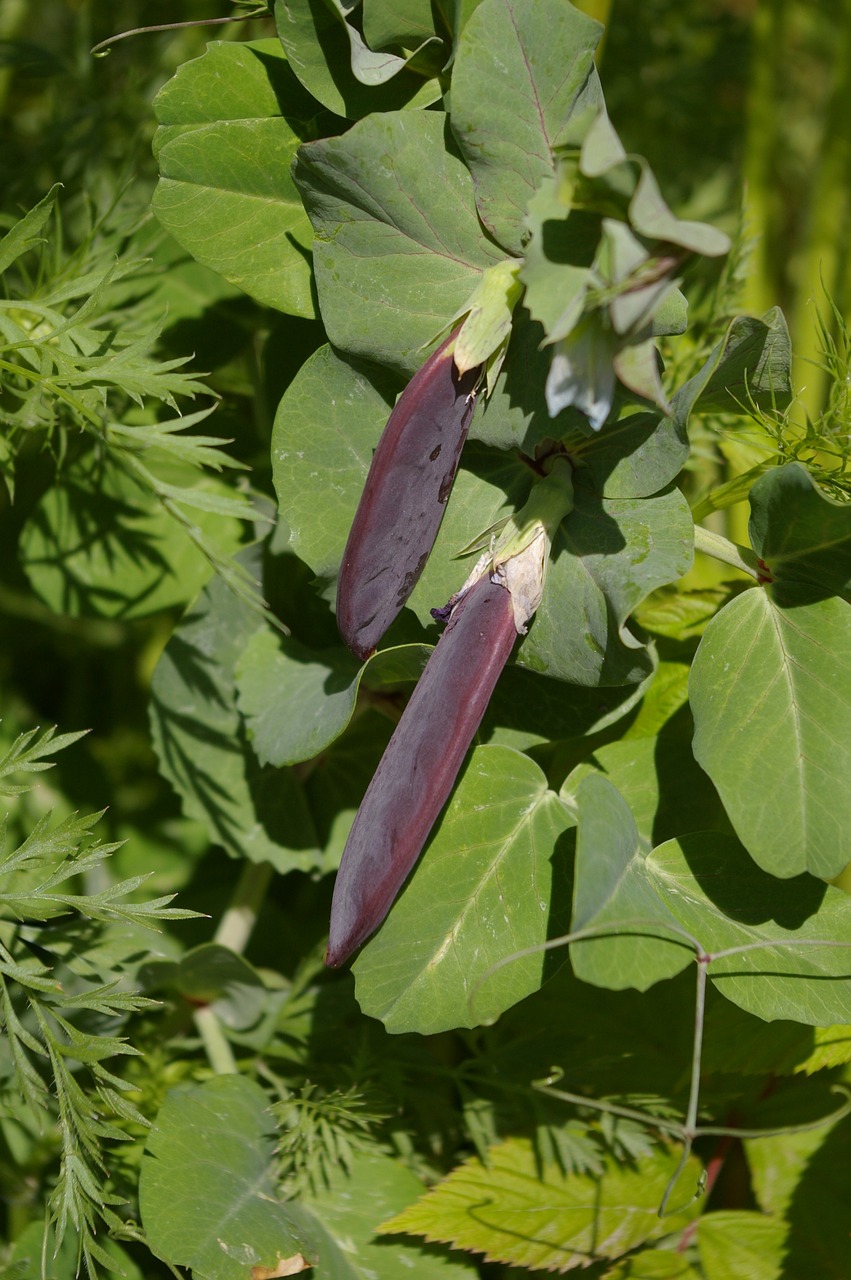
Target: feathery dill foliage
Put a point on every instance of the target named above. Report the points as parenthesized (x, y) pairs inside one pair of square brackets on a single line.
[(81, 380), (58, 1035)]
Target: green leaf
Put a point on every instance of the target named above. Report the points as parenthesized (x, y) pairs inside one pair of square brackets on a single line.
[(612, 890), (788, 934), (214, 975), (340, 1220), (369, 67), (802, 1177), (654, 1264), (516, 1212), (737, 1244), (297, 700), (770, 691), (318, 43), (398, 246), (27, 231), (206, 1191), (622, 184), (634, 457), (230, 124), (666, 791), (803, 536), (95, 545), (608, 555), (716, 892), (489, 884), (523, 84), (400, 22), (294, 700), (752, 362), (252, 810), (325, 430)]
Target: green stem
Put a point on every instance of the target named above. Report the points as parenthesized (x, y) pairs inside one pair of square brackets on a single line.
[(720, 548), (218, 1051), (234, 931), (238, 921)]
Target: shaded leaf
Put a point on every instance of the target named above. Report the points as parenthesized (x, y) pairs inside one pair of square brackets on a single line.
[(667, 793), (803, 536), (723, 899), (325, 430), (321, 47), (252, 810), (770, 691), (606, 558), (206, 1191), (26, 232), (95, 545), (340, 1218), (612, 889), (736, 1244), (752, 361)]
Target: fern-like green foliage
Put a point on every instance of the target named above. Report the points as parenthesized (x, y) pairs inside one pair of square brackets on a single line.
[(60, 1034), (81, 376)]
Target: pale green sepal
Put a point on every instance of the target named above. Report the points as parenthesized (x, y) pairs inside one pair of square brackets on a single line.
[(520, 556), (484, 335)]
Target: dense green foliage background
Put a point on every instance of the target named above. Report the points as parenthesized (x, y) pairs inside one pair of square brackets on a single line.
[(717, 96)]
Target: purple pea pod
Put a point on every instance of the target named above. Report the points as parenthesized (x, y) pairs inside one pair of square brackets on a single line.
[(418, 769), (422, 759), (404, 498)]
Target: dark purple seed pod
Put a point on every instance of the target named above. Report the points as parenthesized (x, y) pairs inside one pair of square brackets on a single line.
[(418, 769), (404, 498)]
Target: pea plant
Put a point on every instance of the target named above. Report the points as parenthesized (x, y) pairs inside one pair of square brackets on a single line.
[(574, 761)]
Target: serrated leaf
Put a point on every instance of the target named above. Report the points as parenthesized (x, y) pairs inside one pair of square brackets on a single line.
[(737, 1244), (487, 886), (803, 536), (832, 1048), (206, 1191), (26, 232), (230, 124), (770, 690), (523, 84), (515, 1212), (398, 247)]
